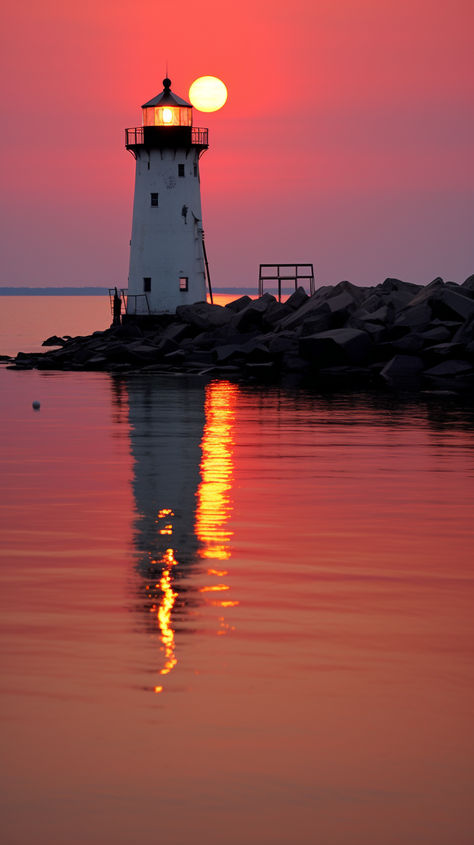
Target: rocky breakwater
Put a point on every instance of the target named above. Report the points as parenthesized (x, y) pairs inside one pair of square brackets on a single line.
[(397, 335)]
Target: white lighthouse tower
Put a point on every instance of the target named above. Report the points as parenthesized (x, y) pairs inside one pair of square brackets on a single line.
[(167, 255)]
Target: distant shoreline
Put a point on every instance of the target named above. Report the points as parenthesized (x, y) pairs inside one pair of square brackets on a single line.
[(102, 291)]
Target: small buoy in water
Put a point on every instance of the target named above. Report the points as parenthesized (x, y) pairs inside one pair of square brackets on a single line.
[(36, 405)]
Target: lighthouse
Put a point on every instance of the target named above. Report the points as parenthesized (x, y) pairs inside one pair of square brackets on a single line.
[(167, 253)]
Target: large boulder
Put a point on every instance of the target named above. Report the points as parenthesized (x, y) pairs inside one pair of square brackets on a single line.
[(297, 299), (313, 308), (54, 340), (402, 370), (238, 304), (334, 347), (449, 369), (415, 316), (450, 305), (204, 316), (252, 315)]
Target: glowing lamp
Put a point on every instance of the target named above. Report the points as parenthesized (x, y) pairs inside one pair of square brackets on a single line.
[(167, 109)]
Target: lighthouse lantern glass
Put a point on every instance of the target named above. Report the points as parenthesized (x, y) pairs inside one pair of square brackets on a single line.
[(167, 116)]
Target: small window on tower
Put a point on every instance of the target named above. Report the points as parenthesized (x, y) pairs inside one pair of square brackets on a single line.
[(180, 169), (195, 170), (154, 200), (147, 284), (183, 283)]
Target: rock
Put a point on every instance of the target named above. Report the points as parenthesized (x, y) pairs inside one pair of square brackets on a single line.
[(258, 354), (450, 305), (239, 304), (202, 315), (175, 357), (438, 334), (319, 321), (276, 312), (228, 353), (337, 346), (202, 356), (174, 332), (465, 333), (381, 315), (467, 287), (416, 316), (314, 308), (408, 343), (297, 299), (402, 369), (252, 316), (140, 351), (282, 343), (433, 355), (341, 307), (449, 369), (377, 331), (97, 362), (54, 340), (427, 293), (356, 292)]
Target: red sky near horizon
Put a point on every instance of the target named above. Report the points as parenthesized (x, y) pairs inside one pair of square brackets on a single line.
[(346, 140)]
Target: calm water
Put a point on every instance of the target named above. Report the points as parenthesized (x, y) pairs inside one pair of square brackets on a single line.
[(233, 615)]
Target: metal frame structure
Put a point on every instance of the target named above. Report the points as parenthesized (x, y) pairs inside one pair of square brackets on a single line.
[(307, 273)]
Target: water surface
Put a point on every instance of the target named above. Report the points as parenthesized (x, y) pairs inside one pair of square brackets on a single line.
[(233, 614)]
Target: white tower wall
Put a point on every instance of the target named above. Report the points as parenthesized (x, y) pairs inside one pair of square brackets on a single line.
[(166, 244)]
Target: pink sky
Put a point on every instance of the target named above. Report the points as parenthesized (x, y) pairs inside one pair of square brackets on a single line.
[(346, 141)]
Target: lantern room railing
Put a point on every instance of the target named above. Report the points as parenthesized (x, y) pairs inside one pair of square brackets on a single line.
[(135, 135)]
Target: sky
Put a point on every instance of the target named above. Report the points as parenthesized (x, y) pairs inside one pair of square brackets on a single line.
[(346, 141)]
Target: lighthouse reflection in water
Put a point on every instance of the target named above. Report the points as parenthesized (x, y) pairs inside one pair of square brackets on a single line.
[(182, 438)]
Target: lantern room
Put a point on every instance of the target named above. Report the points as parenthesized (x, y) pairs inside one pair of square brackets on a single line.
[(167, 109)]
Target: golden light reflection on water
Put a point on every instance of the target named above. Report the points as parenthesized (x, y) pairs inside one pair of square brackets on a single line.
[(214, 503), (214, 494), (214, 507), (168, 598)]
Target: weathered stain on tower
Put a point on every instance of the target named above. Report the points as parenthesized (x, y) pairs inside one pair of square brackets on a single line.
[(167, 266)]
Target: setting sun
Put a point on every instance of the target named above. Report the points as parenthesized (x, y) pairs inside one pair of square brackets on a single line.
[(208, 93)]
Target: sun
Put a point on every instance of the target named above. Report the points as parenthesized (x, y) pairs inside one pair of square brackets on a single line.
[(208, 93)]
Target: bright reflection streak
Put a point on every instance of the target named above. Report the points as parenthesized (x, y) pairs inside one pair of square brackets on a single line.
[(164, 613), (225, 603), (214, 504), (216, 588), (165, 512)]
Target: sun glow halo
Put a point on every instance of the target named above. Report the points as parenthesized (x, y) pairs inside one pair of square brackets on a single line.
[(208, 93)]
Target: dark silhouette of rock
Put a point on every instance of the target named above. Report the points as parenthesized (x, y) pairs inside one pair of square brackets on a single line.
[(54, 340), (202, 315), (402, 369), (239, 304), (449, 368), (337, 346), (252, 315), (396, 334)]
